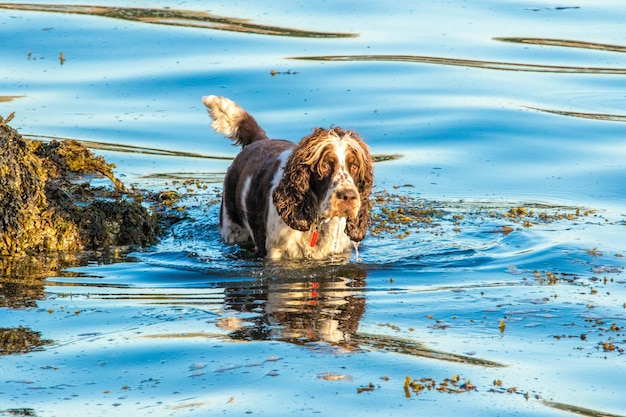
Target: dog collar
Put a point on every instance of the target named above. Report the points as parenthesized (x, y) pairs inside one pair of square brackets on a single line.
[(316, 232)]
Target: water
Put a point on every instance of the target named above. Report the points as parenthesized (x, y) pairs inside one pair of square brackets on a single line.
[(490, 106)]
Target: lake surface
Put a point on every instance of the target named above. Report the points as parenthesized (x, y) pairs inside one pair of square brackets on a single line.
[(500, 131)]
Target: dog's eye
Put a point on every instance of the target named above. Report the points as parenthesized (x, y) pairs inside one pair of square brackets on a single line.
[(326, 166), (352, 164)]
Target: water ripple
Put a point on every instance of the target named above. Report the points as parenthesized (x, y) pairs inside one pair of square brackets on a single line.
[(174, 17), (595, 116), (566, 43), (470, 63)]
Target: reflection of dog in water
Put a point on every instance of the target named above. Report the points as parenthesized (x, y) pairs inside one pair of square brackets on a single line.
[(296, 310)]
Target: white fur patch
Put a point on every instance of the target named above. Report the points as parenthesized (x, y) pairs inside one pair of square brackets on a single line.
[(341, 180), (245, 190), (231, 232), (280, 237)]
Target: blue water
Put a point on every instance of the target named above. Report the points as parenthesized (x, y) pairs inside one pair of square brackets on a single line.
[(481, 125)]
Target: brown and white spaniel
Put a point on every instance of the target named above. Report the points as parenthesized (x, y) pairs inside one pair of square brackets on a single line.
[(292, 201)]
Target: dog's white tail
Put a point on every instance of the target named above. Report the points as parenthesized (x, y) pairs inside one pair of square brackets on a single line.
[(232, 121)]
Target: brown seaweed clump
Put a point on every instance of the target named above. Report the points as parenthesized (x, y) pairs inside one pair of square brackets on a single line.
[(47, 203), (20, 340)]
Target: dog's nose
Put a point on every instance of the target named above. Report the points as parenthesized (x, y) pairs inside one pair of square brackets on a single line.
[(347, 195)]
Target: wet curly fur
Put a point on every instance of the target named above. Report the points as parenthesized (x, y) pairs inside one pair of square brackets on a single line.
[(278, 195), (293, 198)]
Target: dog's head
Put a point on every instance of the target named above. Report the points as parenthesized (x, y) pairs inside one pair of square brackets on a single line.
[(329, 174)]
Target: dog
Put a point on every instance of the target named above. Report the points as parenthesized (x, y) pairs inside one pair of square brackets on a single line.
[(292, 201)]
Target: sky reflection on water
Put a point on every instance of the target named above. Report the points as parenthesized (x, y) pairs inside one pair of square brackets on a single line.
[(490, 106)]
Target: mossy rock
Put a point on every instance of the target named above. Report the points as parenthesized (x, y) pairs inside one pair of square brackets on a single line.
[(47, 203)]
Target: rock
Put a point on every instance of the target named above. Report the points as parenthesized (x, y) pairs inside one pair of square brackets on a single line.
[(47, 203)]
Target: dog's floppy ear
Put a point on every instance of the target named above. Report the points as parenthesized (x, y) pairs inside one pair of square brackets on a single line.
[(356, 228), (293, 198)]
